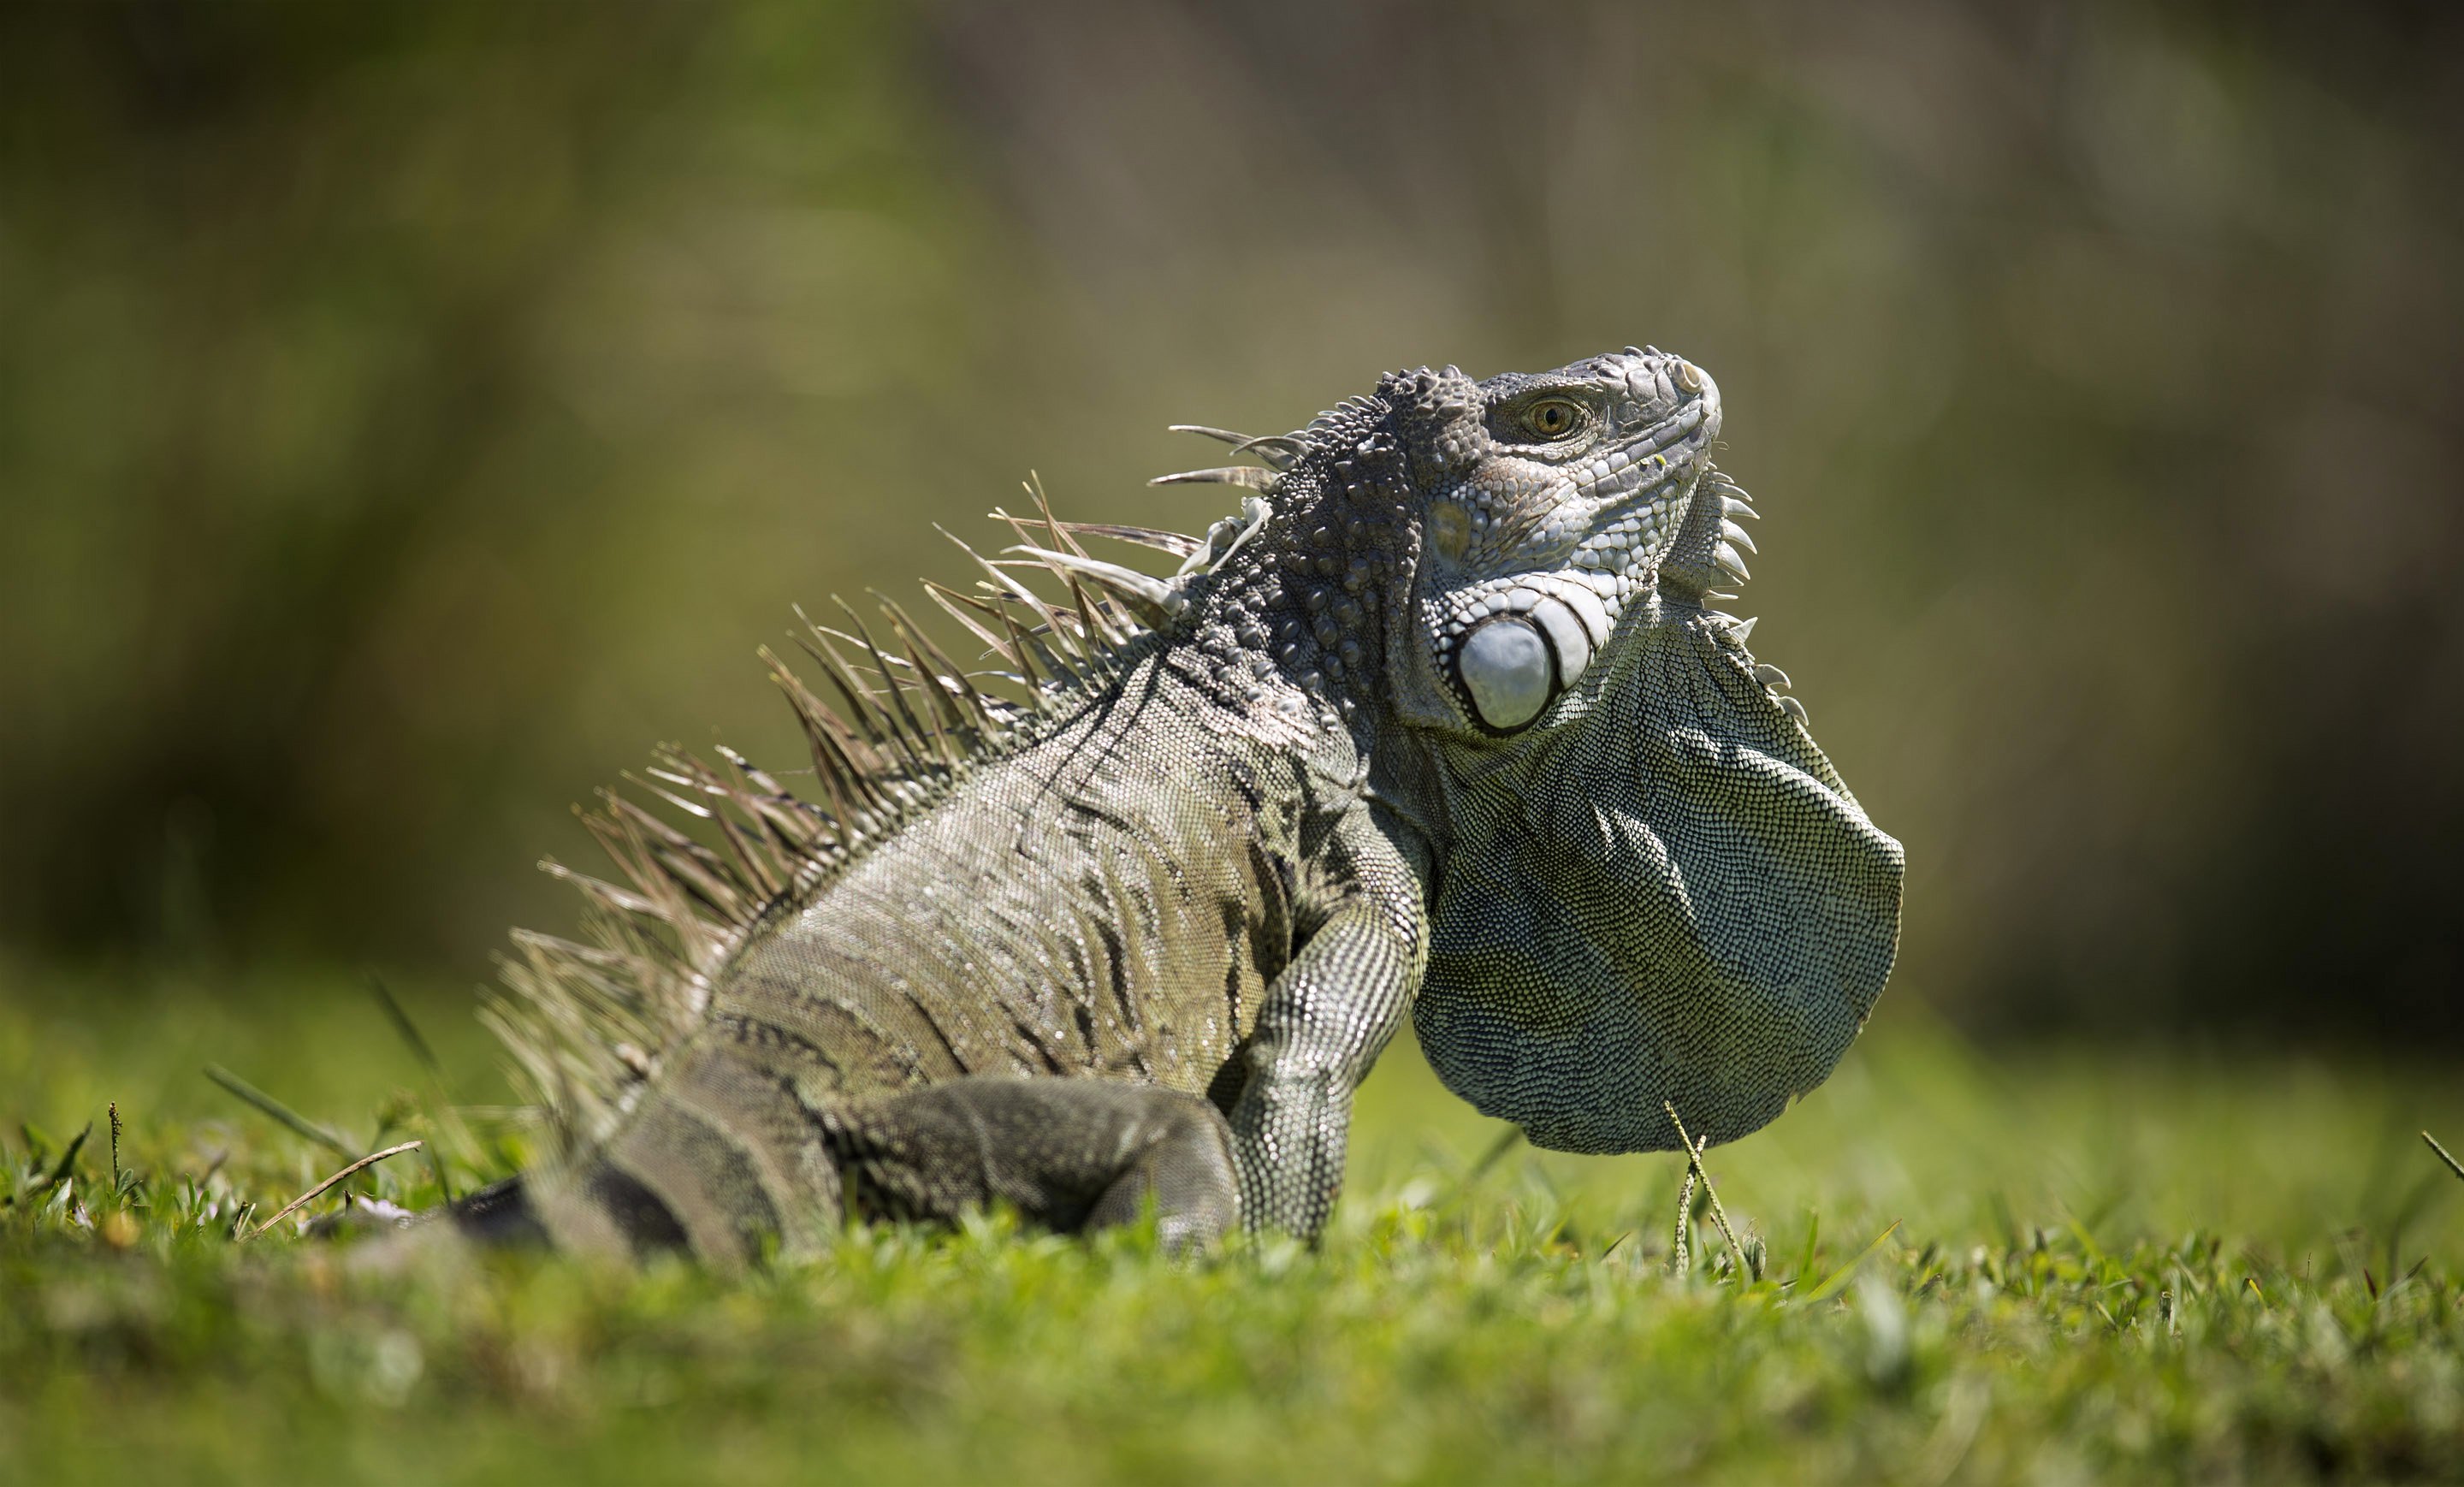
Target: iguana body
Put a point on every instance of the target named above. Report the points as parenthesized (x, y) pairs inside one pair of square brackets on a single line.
[(1441, 726)]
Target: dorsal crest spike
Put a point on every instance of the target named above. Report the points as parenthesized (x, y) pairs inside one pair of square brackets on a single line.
[(1276, 450), (1101, 629), (1219, 435), (1179, 544), (1154, 599), (1248, 475)]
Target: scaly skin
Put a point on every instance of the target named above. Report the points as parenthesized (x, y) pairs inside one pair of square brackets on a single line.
[(1446, 729)]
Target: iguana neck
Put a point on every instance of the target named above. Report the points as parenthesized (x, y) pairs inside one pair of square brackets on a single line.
[(1297, 624)]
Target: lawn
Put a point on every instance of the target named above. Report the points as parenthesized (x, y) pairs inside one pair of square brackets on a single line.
[(2057, 1264)]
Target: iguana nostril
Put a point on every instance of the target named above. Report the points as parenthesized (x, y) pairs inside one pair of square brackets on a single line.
[(1505, 667)]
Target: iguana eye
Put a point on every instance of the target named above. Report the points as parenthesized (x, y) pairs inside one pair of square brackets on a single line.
[(1552, 419)]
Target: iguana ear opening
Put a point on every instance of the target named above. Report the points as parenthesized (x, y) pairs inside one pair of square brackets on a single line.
[(1664, 896)]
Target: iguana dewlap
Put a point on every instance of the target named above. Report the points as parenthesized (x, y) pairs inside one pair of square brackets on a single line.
[(1442, 725)]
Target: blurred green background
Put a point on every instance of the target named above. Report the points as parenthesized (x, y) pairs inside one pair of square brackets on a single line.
[(410, 412)]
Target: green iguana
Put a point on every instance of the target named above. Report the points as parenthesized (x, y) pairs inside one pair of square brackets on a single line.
[(1442, 723)]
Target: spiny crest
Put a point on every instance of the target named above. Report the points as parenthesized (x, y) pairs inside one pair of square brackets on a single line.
[(1710, 548), (1705, 556), (588, 1020)]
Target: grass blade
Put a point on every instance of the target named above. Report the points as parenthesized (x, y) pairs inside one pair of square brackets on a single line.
[(291, 1207), (68, 1160), (442, 1113), (1840, 1277), (1719, 1214), (1506, 1142), (275, 1110), (1813, 1232), (2453, 1166), (1469, 1178), (407, 1028), (1681, 1258)]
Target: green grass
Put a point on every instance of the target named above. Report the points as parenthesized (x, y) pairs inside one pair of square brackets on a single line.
[(2106, 1268)]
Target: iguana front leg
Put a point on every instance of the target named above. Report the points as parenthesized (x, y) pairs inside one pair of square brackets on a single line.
[(1322, 1025)]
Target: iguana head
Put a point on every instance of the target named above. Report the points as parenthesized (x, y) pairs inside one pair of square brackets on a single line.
[(1651, 892), (1548, 503), (1453, 555)]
